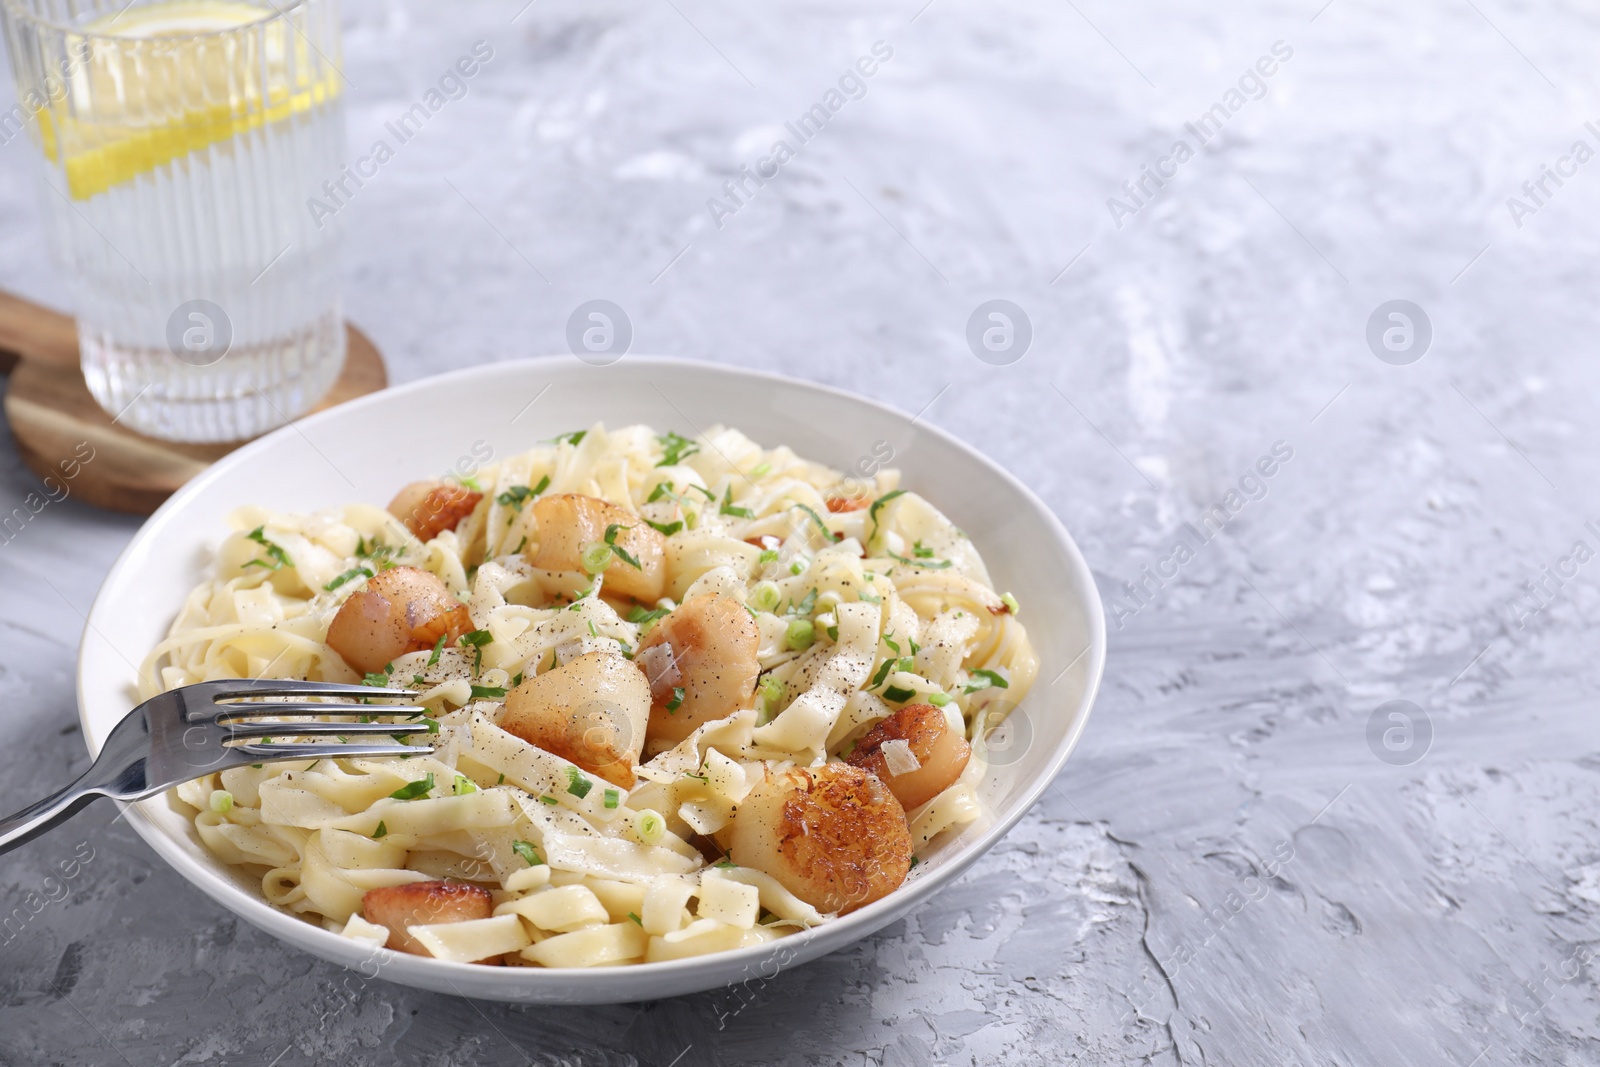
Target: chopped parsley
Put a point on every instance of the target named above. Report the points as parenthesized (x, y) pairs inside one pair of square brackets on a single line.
[(983, 679), (729, 508), (872, 512), (807, 604), (635, 918), (349, 575), (617, 550), (487, 692), (883, 672), (642, 617), (525, 850), (677, 699), (662, 489), (380, 553), (575, 438), (380, 679), (277, 558), (665, 529), (520, 545), (677, 448), (708, 494), (613, 798), (889, 640), (516, 496), (827, 534), (768, 555), (420, 788), (438, 647), (833, 633), (924, 561), (381, 831), (869, 597), (894, 694), (476, 639), (548, 800)]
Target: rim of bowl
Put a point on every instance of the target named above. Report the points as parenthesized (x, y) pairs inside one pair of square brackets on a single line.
[(285, 927)]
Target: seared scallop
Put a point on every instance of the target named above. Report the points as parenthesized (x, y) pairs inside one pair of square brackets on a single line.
[(835, 837), (402, 609), (914, 752), (423, 904), (569, 523), (592, 711), (429, 508), (701, 662)]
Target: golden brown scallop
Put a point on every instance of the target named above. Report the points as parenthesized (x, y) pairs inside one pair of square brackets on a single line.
[(591, 710), (940, 753), (402, 609), (835, 837), (707, 648), (429, 508), (424, 904), (569, 522)]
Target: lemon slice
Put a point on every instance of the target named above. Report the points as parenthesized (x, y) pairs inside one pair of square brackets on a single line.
[(171, 82)]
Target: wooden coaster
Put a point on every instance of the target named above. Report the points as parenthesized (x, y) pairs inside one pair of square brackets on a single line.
[(52, 414)]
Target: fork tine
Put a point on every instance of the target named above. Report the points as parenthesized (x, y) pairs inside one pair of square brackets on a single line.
[(239, 712), (276, 753), (314, 729), (245, 688)]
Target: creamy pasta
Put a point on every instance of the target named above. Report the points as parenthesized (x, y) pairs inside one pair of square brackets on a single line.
[(686, 695)]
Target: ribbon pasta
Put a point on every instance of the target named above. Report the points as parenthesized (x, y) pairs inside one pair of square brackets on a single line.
[(892, 604)]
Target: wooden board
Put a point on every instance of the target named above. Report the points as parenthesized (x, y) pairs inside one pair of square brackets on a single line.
[(51, 413)]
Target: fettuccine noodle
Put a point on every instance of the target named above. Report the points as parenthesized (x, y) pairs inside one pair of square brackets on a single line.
[(866, 605)]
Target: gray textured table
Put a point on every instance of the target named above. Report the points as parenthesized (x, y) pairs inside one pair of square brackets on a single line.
[(1248, 861)]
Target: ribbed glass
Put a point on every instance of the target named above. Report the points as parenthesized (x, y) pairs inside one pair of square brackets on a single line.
[(180, 142)]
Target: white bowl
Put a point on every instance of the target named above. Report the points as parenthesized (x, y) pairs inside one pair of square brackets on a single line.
[(366, 449)]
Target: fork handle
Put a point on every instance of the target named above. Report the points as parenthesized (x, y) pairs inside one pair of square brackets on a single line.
[(53, 810)]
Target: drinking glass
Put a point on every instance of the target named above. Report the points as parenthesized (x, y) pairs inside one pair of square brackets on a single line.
[(179, 142)]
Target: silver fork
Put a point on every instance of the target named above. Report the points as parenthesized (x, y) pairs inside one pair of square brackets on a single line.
[(198, 729)]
